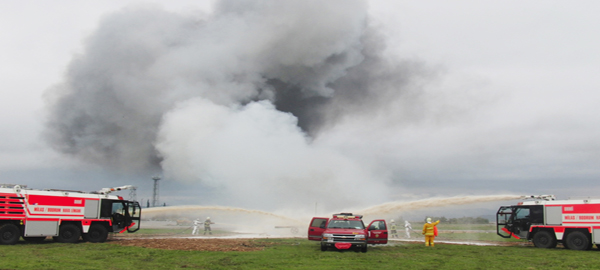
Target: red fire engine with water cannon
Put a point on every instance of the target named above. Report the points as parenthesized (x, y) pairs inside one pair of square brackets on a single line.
[(65, 215), (546, 221), (345, 231)]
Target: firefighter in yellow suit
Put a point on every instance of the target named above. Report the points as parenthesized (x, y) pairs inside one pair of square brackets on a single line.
[(428, 229)]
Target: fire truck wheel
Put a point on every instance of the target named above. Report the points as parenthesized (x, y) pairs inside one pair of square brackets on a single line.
[(96, 234), (578, 241), (68, 233), (544, 239), (323, 247), (9, 234), (363, 249)]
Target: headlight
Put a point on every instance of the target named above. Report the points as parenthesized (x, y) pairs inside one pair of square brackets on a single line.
[(327, 235), (359, 237)]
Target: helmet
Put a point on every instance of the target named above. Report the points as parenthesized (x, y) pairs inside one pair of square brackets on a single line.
[(207, 217), (428, 220), (392, 220)]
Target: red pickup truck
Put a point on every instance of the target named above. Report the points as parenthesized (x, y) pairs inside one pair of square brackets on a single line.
[(345, 231)]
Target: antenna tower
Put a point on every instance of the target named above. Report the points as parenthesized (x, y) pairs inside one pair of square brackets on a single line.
[(155, 194)]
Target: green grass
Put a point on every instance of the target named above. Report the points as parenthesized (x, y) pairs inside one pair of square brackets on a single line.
[(294, 254)]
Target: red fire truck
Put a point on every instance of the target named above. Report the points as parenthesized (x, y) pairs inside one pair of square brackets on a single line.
[(345, 230), (546, 221), (65, 215)]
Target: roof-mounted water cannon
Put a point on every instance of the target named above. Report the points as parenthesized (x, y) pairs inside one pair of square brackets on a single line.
[(109, 190), (539, 197)]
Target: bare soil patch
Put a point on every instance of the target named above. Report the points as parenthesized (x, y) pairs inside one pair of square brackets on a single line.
[(195, 244)]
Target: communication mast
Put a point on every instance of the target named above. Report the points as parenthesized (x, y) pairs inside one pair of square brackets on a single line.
[(155, 194)]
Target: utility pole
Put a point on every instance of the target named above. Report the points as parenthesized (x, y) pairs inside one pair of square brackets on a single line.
[(155, 194)]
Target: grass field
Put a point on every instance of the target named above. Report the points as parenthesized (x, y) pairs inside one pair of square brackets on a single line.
[(294, 254)]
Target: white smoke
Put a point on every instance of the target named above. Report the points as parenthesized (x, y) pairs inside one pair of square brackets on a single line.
[(255, 152)]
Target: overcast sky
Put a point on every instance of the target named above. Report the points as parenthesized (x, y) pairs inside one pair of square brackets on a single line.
[(506, 104)]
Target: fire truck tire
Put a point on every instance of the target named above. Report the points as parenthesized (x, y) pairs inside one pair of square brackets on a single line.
[(96, 234), (363, 249), (9, 234), (544, 239), (323, 247), (68, 233), (578, 241)]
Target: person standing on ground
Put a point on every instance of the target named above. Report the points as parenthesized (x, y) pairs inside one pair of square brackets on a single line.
[(393, 231), (407, 228), (207, 223), (196, 229), (429, 231)]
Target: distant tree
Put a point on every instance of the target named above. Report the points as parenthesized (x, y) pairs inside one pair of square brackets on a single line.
[(480, 220)]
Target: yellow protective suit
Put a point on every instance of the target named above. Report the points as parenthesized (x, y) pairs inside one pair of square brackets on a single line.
[(428, 232)]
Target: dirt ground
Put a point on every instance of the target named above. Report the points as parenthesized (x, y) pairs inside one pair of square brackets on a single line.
[(195, 244)]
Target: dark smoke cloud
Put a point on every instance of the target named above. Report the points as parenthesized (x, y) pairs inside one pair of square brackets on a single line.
[(321, 61)]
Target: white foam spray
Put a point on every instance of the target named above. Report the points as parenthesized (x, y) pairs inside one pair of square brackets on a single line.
[(381, 209), (240, 222), (399, 206), (187, 209)]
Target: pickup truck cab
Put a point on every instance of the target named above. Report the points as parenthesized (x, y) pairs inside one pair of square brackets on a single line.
[(345, 231)]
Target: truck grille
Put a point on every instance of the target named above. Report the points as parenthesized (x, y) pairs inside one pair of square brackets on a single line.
[(11, 205), (348, 238)]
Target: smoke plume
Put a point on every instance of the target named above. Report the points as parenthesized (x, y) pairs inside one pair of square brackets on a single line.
[(239, 98)]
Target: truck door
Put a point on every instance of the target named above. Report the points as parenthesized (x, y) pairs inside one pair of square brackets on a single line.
[(378, 233), (134, 212), (515, 221), (316, 228)]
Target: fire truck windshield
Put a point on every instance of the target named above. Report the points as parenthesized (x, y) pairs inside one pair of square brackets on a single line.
[(521, 213), (346, 224)]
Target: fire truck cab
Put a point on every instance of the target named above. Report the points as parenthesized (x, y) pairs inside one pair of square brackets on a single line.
[(546, 222), (345, 231), (64, 215)]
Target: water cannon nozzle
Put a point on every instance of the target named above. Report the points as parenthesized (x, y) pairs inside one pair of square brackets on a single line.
[(539, 197)]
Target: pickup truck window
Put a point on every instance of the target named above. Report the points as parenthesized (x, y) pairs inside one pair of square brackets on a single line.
[(377, 225), (319, 223), (346, 224)]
